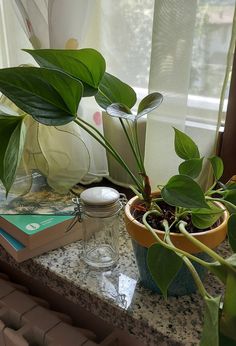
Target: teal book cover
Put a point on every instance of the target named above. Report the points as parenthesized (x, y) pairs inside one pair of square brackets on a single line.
[(17, 246), (32, 224), (21, 252), (34, 230)]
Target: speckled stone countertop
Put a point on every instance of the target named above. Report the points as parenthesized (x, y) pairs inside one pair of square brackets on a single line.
[(114, 295)]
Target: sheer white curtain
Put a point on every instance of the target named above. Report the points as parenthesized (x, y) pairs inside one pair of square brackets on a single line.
[(62, 153), (190, 45), (176, 47)]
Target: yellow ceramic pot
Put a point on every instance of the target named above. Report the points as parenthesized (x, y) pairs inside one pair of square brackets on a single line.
[(211, 238)]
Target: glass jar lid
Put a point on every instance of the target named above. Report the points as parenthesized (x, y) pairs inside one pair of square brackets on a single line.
[(100, 201)]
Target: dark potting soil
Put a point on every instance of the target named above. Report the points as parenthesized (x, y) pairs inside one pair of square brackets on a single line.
[(155, 221)]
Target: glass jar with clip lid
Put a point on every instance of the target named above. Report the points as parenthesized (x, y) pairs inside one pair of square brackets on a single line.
[(99, 209)]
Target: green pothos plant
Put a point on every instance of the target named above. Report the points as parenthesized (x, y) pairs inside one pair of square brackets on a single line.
[(183, 193), (51, 94)]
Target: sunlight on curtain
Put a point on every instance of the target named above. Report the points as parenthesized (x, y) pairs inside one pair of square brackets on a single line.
[(190, 44), (59, 153), (122, 32), (176, 47)]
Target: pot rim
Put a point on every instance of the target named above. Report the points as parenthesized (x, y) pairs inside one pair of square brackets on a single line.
[(224, 217)]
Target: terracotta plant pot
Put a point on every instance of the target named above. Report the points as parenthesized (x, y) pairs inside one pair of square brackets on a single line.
[(142, 239)]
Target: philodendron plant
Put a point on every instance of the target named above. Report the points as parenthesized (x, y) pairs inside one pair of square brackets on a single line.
[(191, 206), (51, 94)]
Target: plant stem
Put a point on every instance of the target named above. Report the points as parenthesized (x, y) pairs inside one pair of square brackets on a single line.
[(224, 201), (167, 246), (203, 247), (138, 146), (210, 188), (208, 193), (188, 263), (104, 142), (132, 146)]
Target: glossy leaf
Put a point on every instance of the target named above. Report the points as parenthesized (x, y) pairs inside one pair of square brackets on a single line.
[(183, 191), (87, 64), (149, 103), (113, 90), (230, 196), (50, 96), (218, 270), (118, 110), (185, 147), (210, 332), (12, 134), (163, 264), (191, 167), (232, 260), (217, 166), (228, 316), (231, 184), (224, 341), (204, 218), (232, 231)]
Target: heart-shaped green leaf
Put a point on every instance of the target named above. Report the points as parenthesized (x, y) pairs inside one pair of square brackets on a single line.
[(118, 110), (12, 134), (163, 264), (183, 191), (230, 196), (228, 316), (113, 90), (217, 166), (185, 147), (191, 167), (210, 332), (50, 96), (205, 218), (87, 64), (232, 260), (232, 231), (149, 103), (225, 341), (231, 184), (218, 270)]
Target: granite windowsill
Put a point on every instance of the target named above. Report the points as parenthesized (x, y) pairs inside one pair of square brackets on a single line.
[(116, 296)]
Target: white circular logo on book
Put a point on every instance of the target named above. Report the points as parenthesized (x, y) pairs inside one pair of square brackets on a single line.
[(32, 226)]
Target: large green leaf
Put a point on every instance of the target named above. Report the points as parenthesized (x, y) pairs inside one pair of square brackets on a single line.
[(232, 260), (231, 184), (87, 64), (228, 316), (185, 147), (224, 341), (210, 332), (163, 264), (232, 231), (217, 166), (50, 96), (230, 195), (191, 167), (183, 191), (149, 103), (12, 134), (113, 90), (118, 110), (218, 270), (204, 218)]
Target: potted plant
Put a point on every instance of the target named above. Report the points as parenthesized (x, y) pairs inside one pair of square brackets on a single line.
[(51, 95)]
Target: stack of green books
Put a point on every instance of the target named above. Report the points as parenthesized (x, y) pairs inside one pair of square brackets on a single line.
[(26, 236)]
